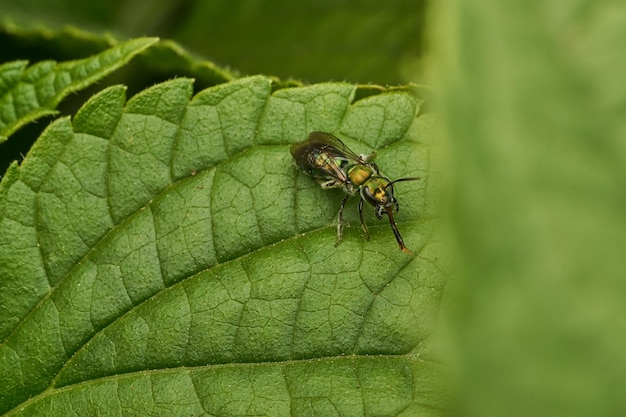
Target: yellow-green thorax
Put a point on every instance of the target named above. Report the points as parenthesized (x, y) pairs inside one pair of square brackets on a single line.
[(358, 174)]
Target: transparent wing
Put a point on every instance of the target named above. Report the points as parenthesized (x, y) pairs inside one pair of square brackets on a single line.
[(324, 156), (334, 145)]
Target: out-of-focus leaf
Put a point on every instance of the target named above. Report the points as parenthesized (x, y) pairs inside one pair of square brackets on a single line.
[(360, 41), (535, 100)]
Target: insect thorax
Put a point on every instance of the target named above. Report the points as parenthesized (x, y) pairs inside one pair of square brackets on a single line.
[(358, 174)]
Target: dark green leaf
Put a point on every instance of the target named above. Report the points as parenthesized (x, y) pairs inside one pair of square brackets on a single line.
[(361, 41)]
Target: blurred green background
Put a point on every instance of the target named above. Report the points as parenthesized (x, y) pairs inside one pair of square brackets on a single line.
[(533, 97), (314, 40)]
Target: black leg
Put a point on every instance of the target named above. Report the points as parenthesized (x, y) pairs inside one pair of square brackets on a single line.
[(365, 229), (340, 221)]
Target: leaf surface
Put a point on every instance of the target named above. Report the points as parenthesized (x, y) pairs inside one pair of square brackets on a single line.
[(163, 255), (28, 93)]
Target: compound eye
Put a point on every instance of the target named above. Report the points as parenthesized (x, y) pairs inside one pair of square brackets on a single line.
[(367, 195)]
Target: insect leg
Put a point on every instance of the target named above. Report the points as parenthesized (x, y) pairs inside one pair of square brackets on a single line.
[(365, 229), (396, 232), (340, 221), (330, 184)]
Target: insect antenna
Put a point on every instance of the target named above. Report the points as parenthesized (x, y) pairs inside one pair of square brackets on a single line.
[(402, 179)]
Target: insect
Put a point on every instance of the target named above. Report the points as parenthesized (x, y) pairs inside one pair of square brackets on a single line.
[(327, 159)]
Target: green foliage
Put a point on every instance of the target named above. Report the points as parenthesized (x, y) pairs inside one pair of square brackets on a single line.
[(160, 253), (316, 40), (164, 254), (28, 94), (535, 99)]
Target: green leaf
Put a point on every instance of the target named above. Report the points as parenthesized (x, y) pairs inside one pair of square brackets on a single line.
[(164, 255), (360, 41), (27, 94), (164, 59), (171, 59), (535, 100)]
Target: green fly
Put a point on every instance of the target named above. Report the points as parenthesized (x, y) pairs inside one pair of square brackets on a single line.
[(328, 160)]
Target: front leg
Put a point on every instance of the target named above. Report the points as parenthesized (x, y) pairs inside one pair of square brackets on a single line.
[(340, 221), (365, 229)]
